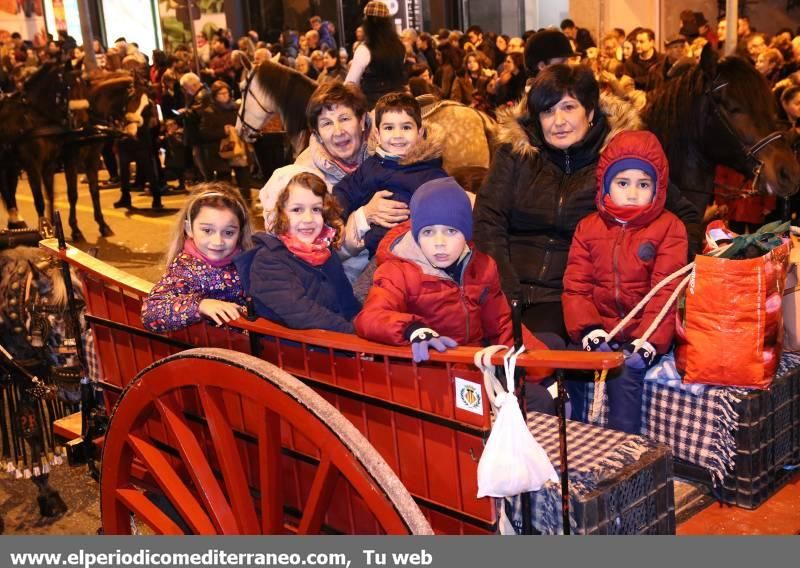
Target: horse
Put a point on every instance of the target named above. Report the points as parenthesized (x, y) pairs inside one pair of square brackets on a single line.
[(33, 128), (721, 111), (273, 88)]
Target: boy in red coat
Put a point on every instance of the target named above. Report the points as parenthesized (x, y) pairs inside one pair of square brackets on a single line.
[(617, 255), (431, 288)]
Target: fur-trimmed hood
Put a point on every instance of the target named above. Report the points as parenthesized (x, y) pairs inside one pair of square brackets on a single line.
[(430, 148), (515, 125)]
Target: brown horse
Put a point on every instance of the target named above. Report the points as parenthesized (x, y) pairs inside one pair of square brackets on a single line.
[(34, 129), (721, 112)]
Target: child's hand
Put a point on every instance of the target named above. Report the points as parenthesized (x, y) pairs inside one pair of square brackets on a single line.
[(219, 311), (424, 338)]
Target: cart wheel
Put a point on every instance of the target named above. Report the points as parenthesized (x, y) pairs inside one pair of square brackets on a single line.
[(183, 432)]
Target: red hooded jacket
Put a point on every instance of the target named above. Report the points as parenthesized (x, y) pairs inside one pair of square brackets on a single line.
[(407, 289), (613, 265)]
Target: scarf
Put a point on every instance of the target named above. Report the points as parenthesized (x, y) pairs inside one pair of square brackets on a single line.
[(191, 249), (622, 213), (316, 253), (386, 155)]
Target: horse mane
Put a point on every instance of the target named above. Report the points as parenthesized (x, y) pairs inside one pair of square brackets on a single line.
[(290, 92)]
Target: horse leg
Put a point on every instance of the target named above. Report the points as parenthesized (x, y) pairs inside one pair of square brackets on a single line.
[(35, 182), (92, 163), (71, 177), (9, 178)]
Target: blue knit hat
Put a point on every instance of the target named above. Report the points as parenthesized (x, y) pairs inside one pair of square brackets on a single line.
[(627, 164), (441, 202)]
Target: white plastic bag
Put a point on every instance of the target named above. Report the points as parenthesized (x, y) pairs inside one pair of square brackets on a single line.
[(512, 462)]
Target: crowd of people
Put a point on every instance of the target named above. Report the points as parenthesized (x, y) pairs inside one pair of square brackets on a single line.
[(574, 217)]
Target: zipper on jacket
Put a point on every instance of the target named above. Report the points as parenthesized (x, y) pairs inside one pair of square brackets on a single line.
[(567, 165), (616, 273), (462, 295), (562, 190)]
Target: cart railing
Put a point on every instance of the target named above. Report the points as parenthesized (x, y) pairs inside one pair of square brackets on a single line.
[(533, 360)]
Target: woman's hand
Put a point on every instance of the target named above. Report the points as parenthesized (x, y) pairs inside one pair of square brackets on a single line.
[(219, 311), (384, 211)]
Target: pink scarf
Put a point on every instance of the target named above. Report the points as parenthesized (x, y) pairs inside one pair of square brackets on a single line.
[(191, 249), (316, 253)]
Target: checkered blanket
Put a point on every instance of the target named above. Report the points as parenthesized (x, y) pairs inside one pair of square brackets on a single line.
[(594, 455), (697, 422), (92, 361)]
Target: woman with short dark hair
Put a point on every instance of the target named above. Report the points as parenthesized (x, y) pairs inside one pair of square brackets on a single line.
[(542, 182)]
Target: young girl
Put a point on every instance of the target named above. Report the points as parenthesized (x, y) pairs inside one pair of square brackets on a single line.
[(292, 274), (201, 280)]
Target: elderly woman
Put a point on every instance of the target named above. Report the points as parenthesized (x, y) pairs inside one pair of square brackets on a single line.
[(542, 182), (339, 123)]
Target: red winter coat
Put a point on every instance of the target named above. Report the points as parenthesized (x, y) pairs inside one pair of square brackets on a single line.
[(406, 289), (612, 266)]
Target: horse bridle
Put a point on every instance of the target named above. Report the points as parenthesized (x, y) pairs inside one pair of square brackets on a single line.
[(750, 152), (245, 94)]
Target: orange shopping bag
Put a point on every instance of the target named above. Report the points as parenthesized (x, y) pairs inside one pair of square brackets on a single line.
[(730, 329)]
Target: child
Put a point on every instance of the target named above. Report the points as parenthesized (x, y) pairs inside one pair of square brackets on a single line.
[(617, 255), (431, 289), (201, 280), (403, 161), (291, 274)]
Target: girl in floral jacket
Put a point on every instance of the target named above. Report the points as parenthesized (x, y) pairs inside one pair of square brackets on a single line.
[(201, 280)]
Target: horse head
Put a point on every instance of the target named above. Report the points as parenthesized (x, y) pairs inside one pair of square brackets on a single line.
[(740, 127), (47, 90), (274, 88)]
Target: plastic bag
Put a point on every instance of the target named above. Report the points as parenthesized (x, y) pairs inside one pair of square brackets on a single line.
[(730, 329), (791, 300), (512, 462)]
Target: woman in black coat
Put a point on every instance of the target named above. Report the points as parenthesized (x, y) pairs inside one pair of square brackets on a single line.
[(542, 182)]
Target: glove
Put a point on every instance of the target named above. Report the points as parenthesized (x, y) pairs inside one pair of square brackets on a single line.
[(425, 337), (643, 358), (596, 340)]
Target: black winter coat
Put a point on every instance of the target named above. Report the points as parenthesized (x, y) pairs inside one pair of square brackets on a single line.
[(534, 196), (293, 293)]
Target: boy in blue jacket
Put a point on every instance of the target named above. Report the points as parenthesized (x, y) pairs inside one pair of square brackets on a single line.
[(403, 161)]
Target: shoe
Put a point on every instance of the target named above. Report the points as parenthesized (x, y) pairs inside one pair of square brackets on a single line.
[(123, 203), (157, 206), (20, 224)]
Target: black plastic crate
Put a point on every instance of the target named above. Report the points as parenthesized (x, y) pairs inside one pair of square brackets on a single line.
[(767, 440), (640, 499)]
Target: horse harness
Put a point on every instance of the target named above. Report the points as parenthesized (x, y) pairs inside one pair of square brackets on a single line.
[(751, 152), (245, 94)]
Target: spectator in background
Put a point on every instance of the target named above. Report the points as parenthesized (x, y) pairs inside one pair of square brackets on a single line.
[(510, 83), (475, 37), (312, 38), (516, 45), (302, 64), (302, 45), (645, 59), (756, 45), (769, 64), (317, 64), (580, 38), (333, 71), (220, 67), (426, 48), (377, 65)]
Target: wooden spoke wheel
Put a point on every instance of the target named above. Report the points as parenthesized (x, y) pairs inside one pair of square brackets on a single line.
[(211, 441)]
